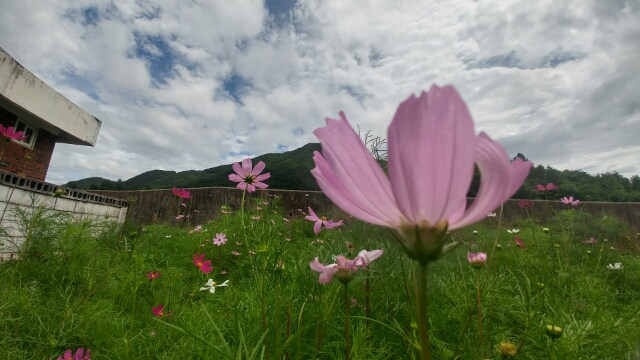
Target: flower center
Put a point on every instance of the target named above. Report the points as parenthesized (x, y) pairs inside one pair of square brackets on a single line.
[(324, 218), (249, 179), (200, 264), (214, 284)]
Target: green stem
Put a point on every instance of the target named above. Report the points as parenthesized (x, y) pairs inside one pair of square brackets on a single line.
[(423, 319), (242, 208), (346, 311), (480, 315)]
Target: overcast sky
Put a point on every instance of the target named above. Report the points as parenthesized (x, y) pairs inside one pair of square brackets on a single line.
[(184, 85)]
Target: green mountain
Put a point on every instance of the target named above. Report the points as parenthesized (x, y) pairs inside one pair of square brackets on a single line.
[(289, 170)]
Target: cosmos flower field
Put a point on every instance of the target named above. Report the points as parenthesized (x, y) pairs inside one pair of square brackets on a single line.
[(411, 273)]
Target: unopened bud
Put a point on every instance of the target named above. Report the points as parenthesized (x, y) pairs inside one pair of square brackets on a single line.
[(553, 331), (540, 286), (475, 232), (556, 245), (546, 230), (508, 350), (589, 252), (59, 192)]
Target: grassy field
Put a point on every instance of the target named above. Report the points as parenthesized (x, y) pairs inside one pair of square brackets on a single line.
[(85, 284)]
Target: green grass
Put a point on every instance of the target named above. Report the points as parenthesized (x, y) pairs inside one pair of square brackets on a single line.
[(83, 284)]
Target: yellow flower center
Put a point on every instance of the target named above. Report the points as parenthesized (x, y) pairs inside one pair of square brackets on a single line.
[(200, 264), (214, 284), (324, 218)]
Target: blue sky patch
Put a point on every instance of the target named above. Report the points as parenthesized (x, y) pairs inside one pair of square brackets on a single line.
[(280, 9), (91, 16), (79, 82), (157, 52), (236, 86), (282, 148)]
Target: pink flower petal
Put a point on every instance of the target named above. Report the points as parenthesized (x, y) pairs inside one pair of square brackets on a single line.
[(431, 154), (496, 180), (259, 168), (348, 174)]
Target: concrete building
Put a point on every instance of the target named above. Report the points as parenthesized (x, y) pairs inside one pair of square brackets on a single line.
[(30, 105)]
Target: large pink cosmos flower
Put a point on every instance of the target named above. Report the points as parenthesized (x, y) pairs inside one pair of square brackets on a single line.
[(79, 355), (343, 269), (432, 151), (322, 221), (181, 193), (570, 201), (204, 266), (249, 178), (12, 134)]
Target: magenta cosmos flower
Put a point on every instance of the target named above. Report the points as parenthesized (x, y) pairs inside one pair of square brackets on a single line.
[(158, 311), (525, 203), (343, 269), (12, 134), (478, 259), (320, 222), (520, 243), (249, 178), (432, 152), (79, 355), (204, 266), (570, 201), (153, 275), (548, 187), (181, 193)]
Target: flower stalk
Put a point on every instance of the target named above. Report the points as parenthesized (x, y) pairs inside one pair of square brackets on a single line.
[(423, 318)]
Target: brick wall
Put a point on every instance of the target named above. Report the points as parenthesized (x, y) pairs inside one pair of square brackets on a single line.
[(21, 160)]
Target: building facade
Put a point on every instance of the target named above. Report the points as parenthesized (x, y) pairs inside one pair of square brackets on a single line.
[(28, 104)]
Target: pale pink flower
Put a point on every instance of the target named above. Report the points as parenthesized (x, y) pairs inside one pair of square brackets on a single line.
[(525, 203), (226, 212), (238, 243), (432, 152), (274, 211), (255, 217), (288, 239), (343, 269), (590, 241), (285, 219), (491, 215), (570, 201), (321, 222), (252, 252), (79, 354), (258, 208), (196, 229), (181, 193), (477, 259), (273, 222), (236, 253), (249, 178), (11, 134), (365, 257), (265, 203), (179, 217), (220, 239), (224, 272)]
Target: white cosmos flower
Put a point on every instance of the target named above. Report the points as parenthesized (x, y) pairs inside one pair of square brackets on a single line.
[(212, 285), (491, 215), (616, 266), (513, 231)]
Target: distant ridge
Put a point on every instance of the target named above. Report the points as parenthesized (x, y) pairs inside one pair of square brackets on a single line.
[(289, 170)]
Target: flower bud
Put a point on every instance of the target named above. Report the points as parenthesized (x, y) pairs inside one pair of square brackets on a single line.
[(59, 192), (540, 285), (553, 331), (556, 245), (546, 230), (508, 350), (475, 232), (589, 252)]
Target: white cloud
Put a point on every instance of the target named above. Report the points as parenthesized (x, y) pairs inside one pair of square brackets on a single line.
[(557, 81)]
